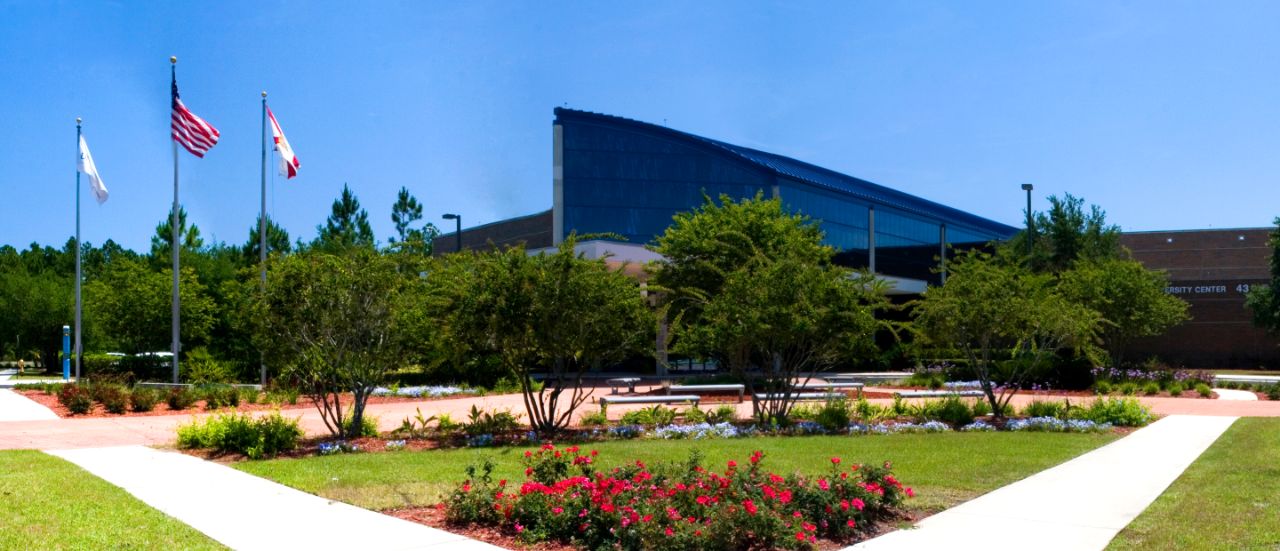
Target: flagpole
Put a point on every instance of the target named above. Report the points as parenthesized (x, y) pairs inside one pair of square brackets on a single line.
[(79, 154), (262, 223), (176, 244)]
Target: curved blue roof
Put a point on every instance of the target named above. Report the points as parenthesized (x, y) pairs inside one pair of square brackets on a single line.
[(804, 172)]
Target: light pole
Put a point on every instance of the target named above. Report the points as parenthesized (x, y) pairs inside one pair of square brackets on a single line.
[(1027, 188), (457, 233)]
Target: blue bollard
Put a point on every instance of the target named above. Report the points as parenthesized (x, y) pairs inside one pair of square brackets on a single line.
[(66, 352)]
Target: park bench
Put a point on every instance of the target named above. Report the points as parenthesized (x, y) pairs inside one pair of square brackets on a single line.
[(937, 393), (803, 396), (709, 388), (672, 399), (629, 382)]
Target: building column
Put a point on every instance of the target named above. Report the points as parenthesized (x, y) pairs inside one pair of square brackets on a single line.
[(557, 184), (871, 238)]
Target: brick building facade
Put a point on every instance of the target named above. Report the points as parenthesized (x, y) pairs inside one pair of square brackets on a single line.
[(1212, 270)]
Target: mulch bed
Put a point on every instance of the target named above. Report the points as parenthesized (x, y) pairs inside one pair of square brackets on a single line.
[(434, 517), (51, 401)]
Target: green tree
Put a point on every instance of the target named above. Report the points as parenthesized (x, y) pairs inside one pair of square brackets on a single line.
[(329, 322), (277, 240), (1264, 301), (347, 226), (35, 306), (752, 286), (1008, 322), (133, 306), (1131, 300), (163, 238), (556, 314), (409, 239), (1066, 234)]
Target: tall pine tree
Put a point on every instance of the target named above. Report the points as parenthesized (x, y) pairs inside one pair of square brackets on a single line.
[(347, 226)]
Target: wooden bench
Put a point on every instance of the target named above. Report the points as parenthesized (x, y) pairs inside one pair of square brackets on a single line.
[(741, 389), (803, 396), (937, 393), (629, 382), (672, 399)]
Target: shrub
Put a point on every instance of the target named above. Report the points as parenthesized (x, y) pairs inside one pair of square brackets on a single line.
[(658, 415), (1039, 408), (834, 415), (567, 498), (281, 396), (1203, 390), (233, 432), (1102, 388), (114, 398), (1175, 389), (75, 398), (490, 422), (950, 409), (180, 398), (596, 418), (143, 399), (249, 395), (202, 369), (220, 396), (368, 426), (725, 413), (1273, 392), (1121, 412), (1128, 389), (981, 408)]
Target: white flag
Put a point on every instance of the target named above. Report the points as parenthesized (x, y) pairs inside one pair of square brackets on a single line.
[(86, 166), (288, 161)]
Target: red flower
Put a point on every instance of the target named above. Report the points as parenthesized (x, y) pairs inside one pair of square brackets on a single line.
[(749, 506), (910, 492), (800, 536), (732, 464), (857, 504), (669, 531), (835, 460), (851, 523)]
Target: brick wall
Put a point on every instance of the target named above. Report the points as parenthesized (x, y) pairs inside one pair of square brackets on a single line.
[(1211, 270)]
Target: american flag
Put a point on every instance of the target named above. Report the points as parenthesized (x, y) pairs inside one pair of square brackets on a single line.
[(190, 131)]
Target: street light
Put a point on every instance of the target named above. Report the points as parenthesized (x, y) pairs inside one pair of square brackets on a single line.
[(1027, 188), (458, 233)]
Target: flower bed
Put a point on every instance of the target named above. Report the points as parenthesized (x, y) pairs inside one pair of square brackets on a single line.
[(687, 506)]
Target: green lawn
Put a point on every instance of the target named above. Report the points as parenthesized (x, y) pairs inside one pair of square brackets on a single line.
[(48, 503), (1228, 499), (944, 469)]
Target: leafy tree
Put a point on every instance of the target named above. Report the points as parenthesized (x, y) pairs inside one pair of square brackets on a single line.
[(1264, 301), (163, 238), (1131, 300), (329, 323), (133, 306), (1007, 321), (347, 226), (1066, 234), (277, 240), (753, 287), (558, 314), (35, 305)]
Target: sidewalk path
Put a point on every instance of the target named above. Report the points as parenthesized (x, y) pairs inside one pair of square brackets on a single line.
[(246, 512), (1236, 395), (1078, 505), (16, 407)]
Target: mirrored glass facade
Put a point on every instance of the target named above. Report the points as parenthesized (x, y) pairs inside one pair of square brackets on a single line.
[(630, 178)]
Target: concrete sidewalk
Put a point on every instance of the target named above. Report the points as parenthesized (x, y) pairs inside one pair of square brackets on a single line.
[(246, 512), (1078, 505), (1236, 395), (16, 407)]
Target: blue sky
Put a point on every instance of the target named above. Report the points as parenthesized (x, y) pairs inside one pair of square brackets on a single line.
[(1164, 113)]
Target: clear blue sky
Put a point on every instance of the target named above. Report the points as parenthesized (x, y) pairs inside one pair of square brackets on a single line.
[(1167, 114)]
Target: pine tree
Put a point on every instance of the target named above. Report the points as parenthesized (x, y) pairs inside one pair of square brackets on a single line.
[(347, 226), (277, 240), (405, 212)]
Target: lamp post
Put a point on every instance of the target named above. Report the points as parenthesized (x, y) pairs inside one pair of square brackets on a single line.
[(457, 233), (1027, 188)]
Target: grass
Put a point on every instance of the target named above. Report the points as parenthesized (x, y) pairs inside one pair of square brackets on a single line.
[(49, 503), (1269, 372), (944, 469), (1228, 499)]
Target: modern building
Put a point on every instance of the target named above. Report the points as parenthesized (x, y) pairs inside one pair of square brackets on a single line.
[(618, 176), (1212, 270)]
